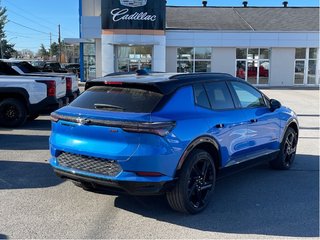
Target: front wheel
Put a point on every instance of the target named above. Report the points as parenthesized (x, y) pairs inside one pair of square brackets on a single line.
[(288, 150), (195, 186), (13, 113)]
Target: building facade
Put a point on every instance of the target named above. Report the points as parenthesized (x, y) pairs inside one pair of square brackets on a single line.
[(266, 46)]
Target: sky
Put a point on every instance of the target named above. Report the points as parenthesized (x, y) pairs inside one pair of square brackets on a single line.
[(32, 21)]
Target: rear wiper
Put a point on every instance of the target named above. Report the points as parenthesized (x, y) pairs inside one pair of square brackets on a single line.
[(107, 106)]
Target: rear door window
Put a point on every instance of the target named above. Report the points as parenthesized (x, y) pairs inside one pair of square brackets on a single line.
[(118, 99), (219, 95)]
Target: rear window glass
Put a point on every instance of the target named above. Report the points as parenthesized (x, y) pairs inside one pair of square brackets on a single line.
[(200, 95), (118, 99), (26, 67)]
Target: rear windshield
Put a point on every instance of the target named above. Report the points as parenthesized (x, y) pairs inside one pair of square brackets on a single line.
[(118, 99), (26, 67)]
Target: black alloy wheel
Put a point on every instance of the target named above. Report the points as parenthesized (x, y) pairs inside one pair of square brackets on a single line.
[(288, 150), (12, 113), (195, 186)]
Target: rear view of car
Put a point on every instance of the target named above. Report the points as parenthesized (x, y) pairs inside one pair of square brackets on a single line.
[(171, 134)]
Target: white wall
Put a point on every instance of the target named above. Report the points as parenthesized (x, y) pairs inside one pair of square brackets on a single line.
[(198, 38), (91, 7), (171, 59), (224, 60), (282, 66), (98, 58)]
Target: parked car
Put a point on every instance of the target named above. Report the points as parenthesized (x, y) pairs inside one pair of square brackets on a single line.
[(25, 97), (73, 68), (171, 134), (25, 68)]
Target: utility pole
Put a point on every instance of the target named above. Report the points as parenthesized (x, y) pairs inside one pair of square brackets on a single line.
[(59, 41), (50, 46)]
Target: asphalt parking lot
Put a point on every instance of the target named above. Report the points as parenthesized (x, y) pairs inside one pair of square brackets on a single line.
[(255, 203)]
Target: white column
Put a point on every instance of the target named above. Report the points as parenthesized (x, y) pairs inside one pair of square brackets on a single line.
[(107, 55), (98, 58), (159, 54)]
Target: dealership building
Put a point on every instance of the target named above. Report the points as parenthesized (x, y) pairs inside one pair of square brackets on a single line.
[(266, 46)]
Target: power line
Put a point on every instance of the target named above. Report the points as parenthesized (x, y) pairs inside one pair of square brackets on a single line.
[(30, 28), (24, 35), (32, 14), (31, 20)]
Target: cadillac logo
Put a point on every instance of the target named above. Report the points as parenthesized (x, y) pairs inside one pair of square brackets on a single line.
[(133, 3)]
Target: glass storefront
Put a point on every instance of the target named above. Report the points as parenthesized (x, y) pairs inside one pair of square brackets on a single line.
[(193, 60), (132, 58), (89, 60), (306, 61), (253, 65)]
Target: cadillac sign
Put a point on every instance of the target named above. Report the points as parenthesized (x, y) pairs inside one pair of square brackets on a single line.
[(133, 14)]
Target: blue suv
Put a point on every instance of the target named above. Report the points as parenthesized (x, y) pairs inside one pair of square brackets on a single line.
[(172, 134)]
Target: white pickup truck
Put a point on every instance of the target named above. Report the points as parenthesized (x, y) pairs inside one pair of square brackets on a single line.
[(25, 68), (23, 97)]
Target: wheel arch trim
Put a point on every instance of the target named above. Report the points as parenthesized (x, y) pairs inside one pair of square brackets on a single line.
[(290, 121), (194, 144)]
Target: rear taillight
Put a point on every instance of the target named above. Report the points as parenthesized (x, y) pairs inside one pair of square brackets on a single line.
[(51, 87), (69, 83), (158, 128), (113, 83)]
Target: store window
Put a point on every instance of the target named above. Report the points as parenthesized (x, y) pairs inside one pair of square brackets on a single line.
[(253, 65), (194, 60), (306, 65), (132, 58), (89, 59)]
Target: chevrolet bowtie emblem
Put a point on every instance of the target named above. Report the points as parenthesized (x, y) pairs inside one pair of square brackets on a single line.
[(82, 121)]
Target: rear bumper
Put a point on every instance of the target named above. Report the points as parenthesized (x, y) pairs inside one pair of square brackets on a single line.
[(115, 186), (48, 105)]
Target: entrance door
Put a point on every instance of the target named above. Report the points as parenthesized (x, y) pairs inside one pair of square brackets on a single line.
[(132, 58)]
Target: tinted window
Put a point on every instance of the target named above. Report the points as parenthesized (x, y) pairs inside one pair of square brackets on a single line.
[(25, 67), (219, 95), (248, 96), (200, 96), (118, 99)]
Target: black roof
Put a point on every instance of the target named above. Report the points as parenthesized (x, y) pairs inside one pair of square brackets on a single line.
[(162, 83), (243, 19)]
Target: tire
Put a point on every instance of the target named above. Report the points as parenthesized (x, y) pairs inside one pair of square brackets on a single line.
[(13, 113), (195, 185), (287, 152)]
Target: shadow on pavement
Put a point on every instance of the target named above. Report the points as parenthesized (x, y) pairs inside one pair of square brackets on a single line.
[(256, 201), (23, 142), (21, 175), (37, 125)]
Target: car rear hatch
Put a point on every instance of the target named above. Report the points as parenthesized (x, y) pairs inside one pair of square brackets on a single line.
[(105, 122)]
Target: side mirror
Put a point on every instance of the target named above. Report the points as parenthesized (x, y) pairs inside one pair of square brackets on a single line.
[(274, 104)]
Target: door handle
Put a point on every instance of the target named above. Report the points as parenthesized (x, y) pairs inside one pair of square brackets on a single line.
[(220, 125), (254, 120)]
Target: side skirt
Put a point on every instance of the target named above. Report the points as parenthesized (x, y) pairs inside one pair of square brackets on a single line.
[(250, 162)]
